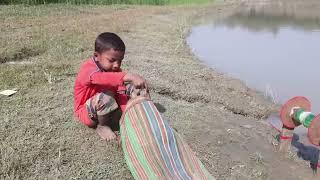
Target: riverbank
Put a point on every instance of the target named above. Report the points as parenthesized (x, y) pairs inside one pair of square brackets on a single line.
[(220, 118)]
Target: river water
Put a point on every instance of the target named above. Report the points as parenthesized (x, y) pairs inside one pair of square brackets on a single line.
[(277, 55)]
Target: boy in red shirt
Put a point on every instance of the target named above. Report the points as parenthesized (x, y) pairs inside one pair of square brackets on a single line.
[(100, 91)]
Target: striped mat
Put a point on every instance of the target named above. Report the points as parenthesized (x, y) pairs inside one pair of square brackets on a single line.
[(152, 149)]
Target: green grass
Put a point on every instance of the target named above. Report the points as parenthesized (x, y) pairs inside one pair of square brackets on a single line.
[(178, 2), (106, 2)]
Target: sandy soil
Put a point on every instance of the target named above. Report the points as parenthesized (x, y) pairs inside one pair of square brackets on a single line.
[(220, 118)]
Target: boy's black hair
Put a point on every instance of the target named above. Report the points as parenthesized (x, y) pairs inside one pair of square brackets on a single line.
[(108, 40)]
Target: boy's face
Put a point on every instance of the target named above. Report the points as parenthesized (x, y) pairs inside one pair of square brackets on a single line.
[(110, 60)]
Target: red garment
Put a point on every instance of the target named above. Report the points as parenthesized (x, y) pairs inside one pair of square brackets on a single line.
[(91, 80)]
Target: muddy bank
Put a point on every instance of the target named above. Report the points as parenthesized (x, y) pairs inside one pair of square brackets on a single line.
[(209, 109), (220, 118)]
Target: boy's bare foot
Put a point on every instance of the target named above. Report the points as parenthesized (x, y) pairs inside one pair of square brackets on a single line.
[(105, 133)]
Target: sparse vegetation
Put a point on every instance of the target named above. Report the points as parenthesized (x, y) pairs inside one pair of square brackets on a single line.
[(104, 2)]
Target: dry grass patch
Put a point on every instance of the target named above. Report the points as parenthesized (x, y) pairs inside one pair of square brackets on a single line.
[(38, 134)]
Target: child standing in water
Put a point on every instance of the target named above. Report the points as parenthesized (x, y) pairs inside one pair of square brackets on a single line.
[(99, 90)]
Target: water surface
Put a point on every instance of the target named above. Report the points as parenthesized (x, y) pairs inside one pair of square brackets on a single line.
[(277, 55)]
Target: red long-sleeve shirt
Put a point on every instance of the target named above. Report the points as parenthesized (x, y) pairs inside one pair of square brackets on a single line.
[(91, 80)]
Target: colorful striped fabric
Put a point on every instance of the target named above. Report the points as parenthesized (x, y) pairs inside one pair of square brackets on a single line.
[(152, 149)]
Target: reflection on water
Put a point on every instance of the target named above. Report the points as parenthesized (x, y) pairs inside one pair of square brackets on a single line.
[(258, 21), (276, 54)]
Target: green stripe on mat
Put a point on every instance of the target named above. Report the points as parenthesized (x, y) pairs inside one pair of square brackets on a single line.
[(125, 151), (138, 150), (143, 125)]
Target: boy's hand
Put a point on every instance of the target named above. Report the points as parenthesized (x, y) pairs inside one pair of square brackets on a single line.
[(137, 81)]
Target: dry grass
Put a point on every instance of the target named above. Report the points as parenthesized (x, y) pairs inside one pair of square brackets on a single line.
[(39, 137), (54, 38), (105, 2)]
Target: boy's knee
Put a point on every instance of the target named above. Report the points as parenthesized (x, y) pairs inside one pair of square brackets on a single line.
[(101, 104), (84, 117)]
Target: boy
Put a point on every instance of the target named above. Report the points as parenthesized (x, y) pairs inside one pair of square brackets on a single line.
[(99, 87)]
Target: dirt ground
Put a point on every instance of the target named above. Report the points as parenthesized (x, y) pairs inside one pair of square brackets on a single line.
[(40, 53)]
